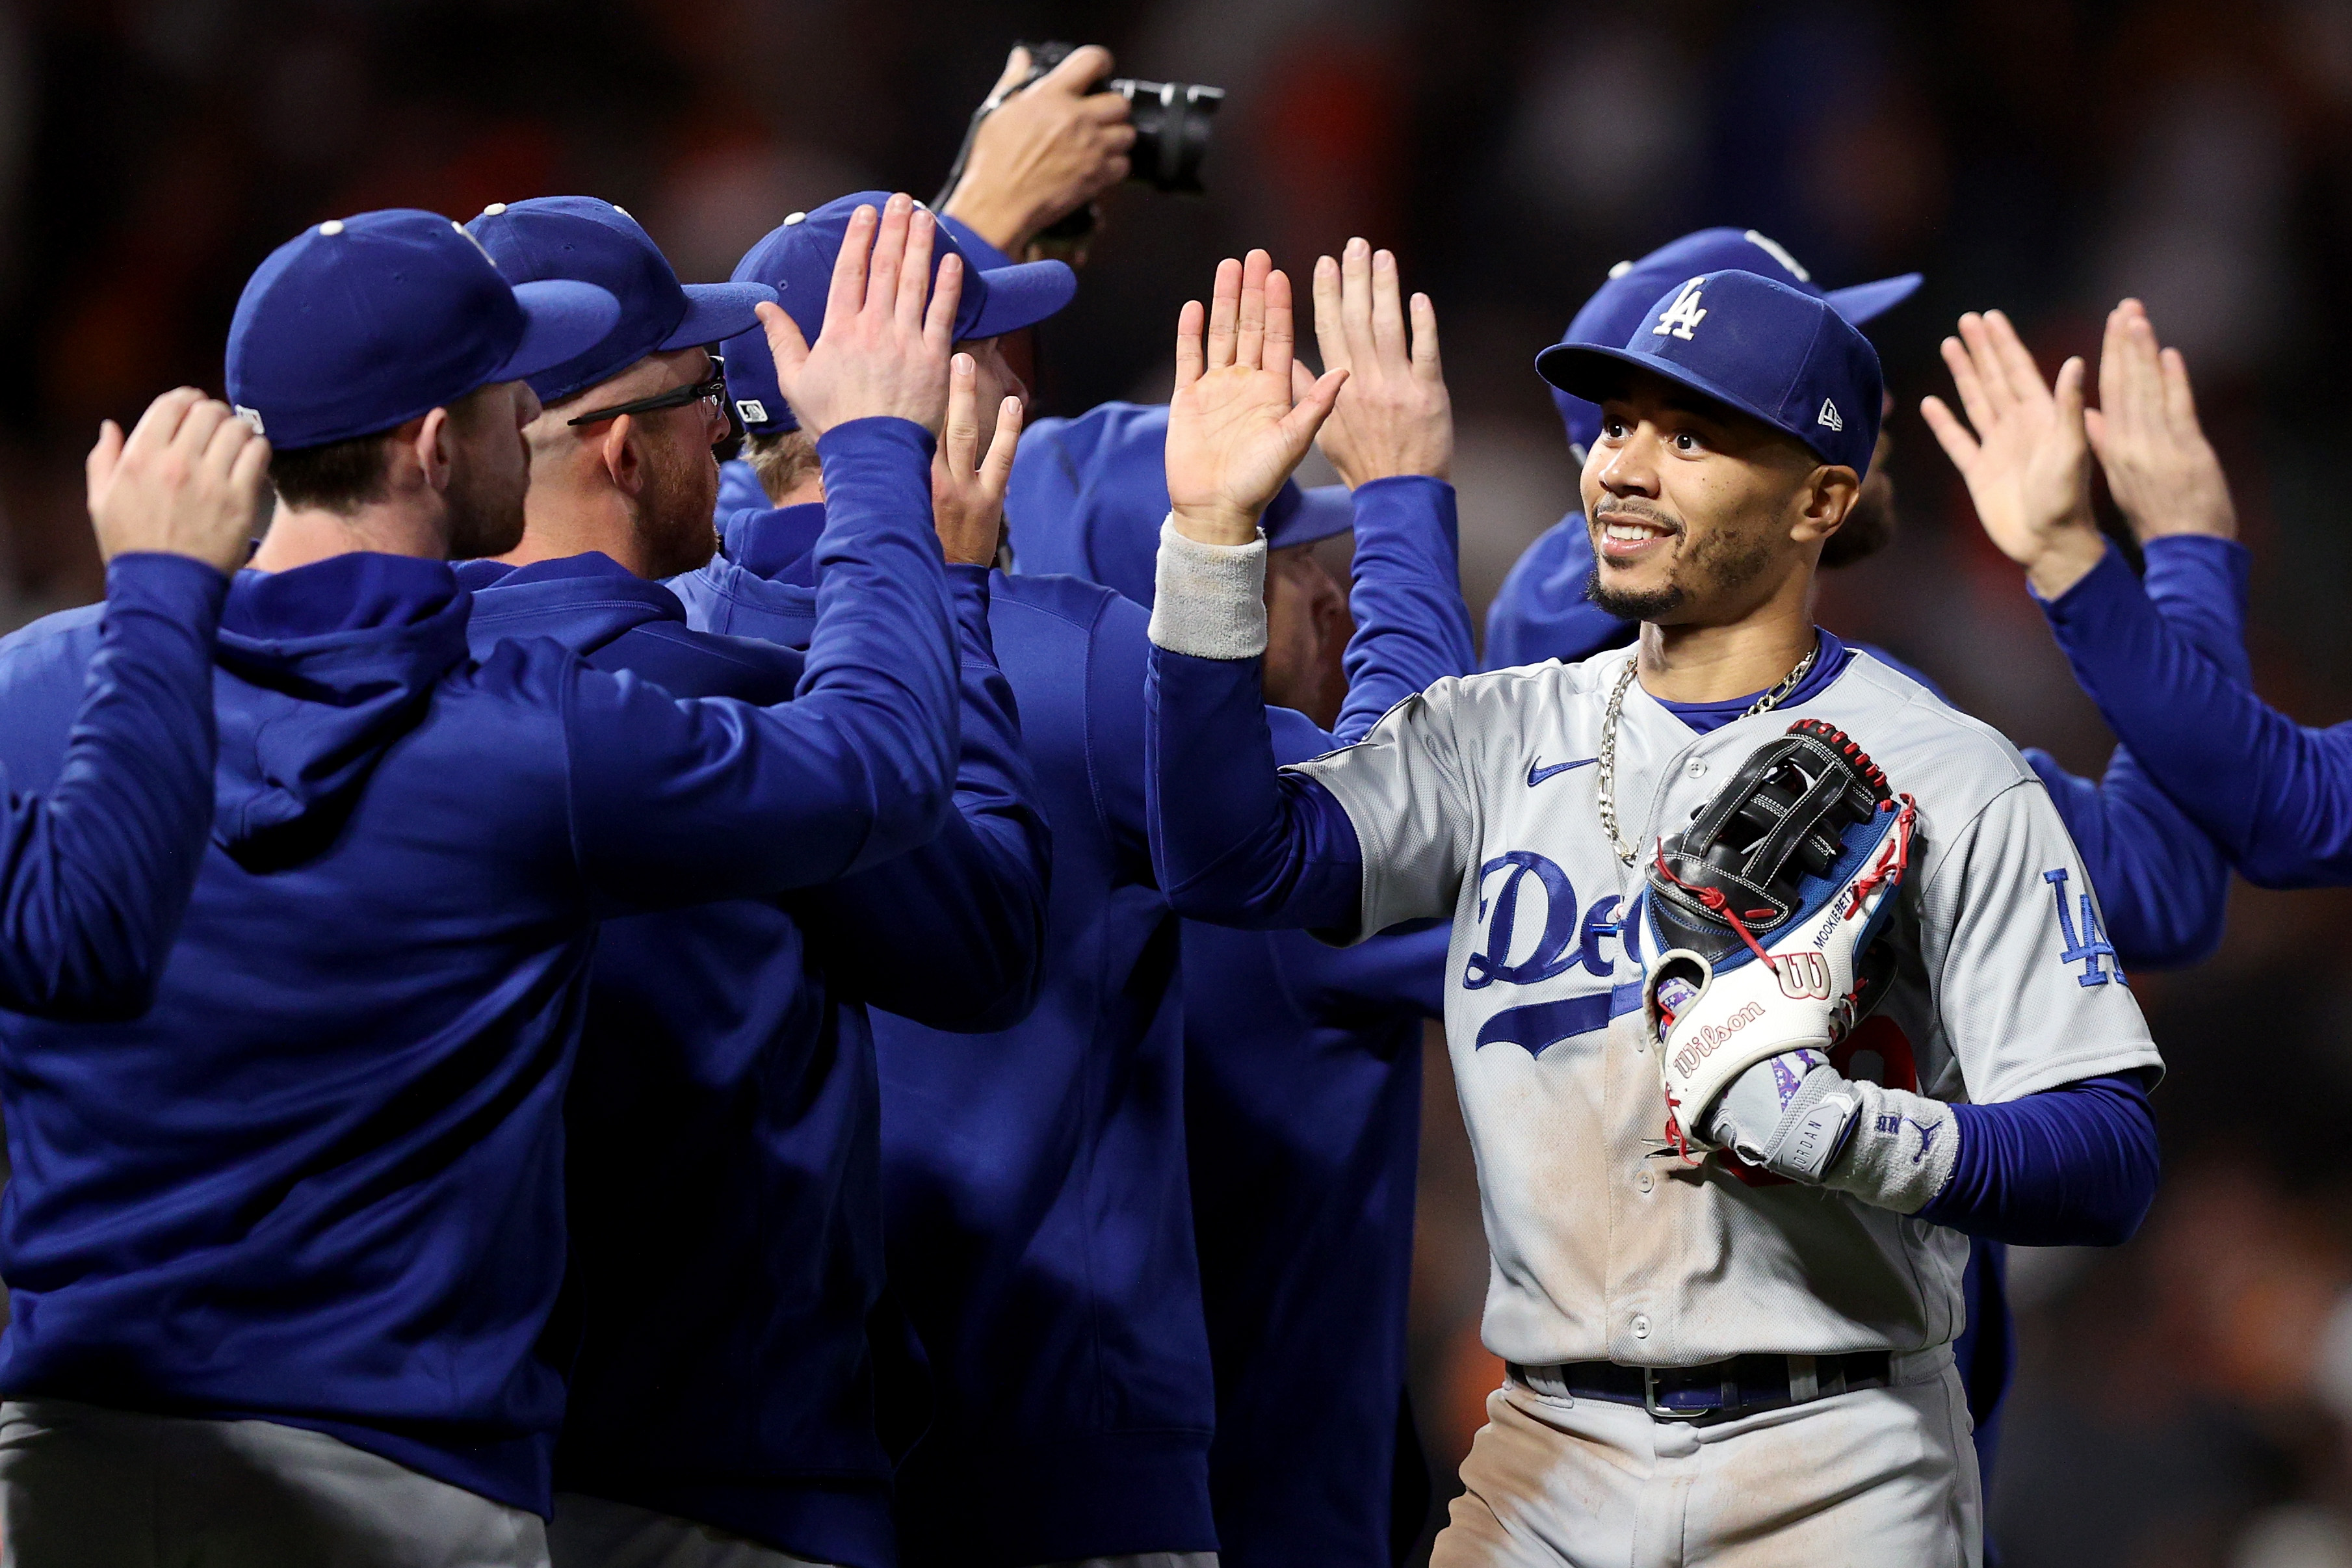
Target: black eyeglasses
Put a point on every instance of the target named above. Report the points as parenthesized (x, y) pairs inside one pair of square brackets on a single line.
[(711, 392)]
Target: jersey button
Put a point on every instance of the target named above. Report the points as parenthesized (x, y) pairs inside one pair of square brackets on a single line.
[(1696, 767), (1645, 1180), (1641, 1325)]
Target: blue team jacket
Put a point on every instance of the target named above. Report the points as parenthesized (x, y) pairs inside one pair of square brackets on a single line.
[(94, 875), (724, 1169), (1302, 1061), (319, 1182), (1039, 1225)]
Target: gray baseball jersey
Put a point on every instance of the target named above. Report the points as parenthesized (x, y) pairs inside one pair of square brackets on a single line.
[(1476, 800)]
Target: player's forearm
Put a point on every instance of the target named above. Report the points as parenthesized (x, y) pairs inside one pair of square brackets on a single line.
[(2198, 583), (1233, 841), (975, 894), (2276, 797), (2073, 1167), (97, 872), (882, 655), (1412, 628)]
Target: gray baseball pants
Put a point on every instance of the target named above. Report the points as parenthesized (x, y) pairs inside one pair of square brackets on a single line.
[(86, 1487), (1873, 1476)]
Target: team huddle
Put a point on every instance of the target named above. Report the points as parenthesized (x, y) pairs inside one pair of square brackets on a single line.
[(717, 951)]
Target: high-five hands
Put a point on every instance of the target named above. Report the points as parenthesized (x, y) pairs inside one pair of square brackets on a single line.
[(967, 488), (880, 352), (1393, 415), (185, 482), (1237, 424), (2159, 466), (2027, 463)]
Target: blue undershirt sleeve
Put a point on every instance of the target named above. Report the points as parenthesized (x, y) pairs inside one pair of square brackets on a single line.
[(972, 901), (677, 803), (1235, 842), (1412, 630), (2072, 1166), (2162, 882), (95, 875), (2274, 794)]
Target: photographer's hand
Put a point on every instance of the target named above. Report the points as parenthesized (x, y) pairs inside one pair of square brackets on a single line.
[(968, 490), (1393, 416), (2028, 464), (1237, 424), (881, 352), (2161, 469), (1042, 152)]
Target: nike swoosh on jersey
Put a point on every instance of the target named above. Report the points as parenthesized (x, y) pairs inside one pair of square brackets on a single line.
[(1538, 773)]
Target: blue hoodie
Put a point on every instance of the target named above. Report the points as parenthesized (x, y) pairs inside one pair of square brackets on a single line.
[(95, 875), (320, 1181), (723, 1123), (1302, 1061), (1039, 1227)]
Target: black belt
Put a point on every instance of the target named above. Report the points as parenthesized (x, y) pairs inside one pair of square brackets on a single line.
[(1718, 1390)]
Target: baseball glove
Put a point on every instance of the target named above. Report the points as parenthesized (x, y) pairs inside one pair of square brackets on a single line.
[(1762, 912)]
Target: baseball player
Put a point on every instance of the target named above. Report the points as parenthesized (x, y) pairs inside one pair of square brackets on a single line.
[(723, 1125), (94, 874), (285, 1251), (1040, 1231), (1302, 1088), (1722, 1182), (2163, 885), (2268, 789)]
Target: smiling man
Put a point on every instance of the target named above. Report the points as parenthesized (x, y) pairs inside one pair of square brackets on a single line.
[(1722, 1316)]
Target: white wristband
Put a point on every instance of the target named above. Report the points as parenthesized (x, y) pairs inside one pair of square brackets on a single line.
[(1901, 1151), (1210, 599)]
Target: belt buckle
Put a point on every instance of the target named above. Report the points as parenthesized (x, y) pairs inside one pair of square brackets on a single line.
[(1659, 1412)]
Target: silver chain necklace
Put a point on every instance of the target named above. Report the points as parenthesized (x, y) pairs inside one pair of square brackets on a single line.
[(1605, 787)]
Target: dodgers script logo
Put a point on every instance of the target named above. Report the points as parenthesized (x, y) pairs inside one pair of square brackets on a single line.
[(1528, 910)]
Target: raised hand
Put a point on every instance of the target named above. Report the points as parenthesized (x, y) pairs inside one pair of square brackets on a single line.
[(880, 352), (186, 482), (1043, 152), (2027, 463), (1393, 416), (968, 489), (1237, 424), (2161, 469)]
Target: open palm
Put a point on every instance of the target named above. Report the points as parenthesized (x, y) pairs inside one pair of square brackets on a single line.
[(2028, 461), (1236, 427)]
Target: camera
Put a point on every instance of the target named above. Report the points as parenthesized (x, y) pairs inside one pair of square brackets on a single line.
[(1171, 120)]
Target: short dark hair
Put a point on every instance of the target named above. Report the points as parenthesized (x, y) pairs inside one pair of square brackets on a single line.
[(339, 477)]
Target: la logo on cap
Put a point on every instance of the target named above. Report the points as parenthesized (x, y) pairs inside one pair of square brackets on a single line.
[(1681, 315)]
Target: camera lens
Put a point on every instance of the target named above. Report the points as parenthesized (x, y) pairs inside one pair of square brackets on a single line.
[(1172, 121)]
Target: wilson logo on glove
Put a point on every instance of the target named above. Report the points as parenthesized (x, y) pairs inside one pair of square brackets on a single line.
[(1761, 914), (1803, 975)]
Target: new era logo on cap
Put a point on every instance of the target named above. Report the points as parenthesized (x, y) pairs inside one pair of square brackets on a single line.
[(1828, 415), (754, 410)]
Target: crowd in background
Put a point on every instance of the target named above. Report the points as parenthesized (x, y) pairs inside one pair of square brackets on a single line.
[(2047, 157)]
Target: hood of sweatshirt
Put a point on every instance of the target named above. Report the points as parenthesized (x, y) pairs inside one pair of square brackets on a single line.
[(321, 669), (586, 602)]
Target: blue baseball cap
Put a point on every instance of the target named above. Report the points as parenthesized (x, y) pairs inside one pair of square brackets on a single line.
[(797, 260), (1763, 347), (1622, 302), (362, 323), (593, 241)]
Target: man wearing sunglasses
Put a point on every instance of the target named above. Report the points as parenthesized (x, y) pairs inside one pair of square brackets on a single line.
[(724, 1122)]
